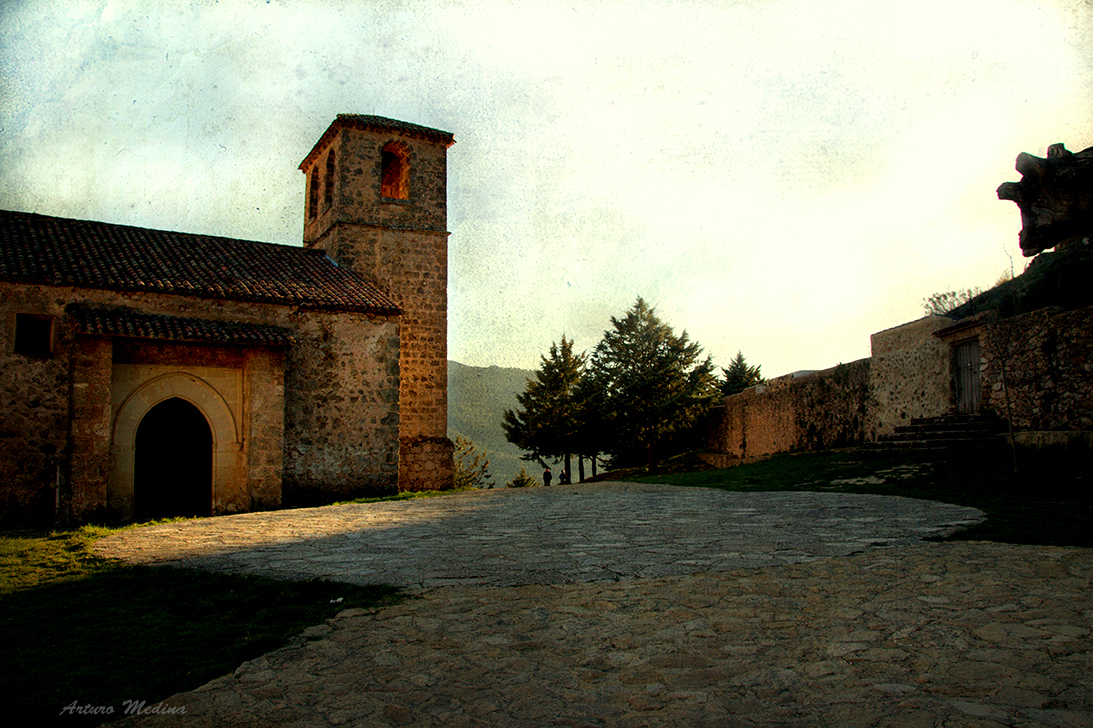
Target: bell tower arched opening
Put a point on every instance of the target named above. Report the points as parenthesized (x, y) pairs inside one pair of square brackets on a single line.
[(395, 171), (173, 474)]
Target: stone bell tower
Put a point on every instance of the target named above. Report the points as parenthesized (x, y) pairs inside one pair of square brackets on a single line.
[(377, 203)]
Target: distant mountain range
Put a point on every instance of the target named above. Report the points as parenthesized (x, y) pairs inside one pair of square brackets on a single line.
[(477, 400)]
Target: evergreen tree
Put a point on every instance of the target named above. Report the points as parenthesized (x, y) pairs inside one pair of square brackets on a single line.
[(651, 384), (472, 467), (546, 424), (592, 437), (522, 480), (739, 376)]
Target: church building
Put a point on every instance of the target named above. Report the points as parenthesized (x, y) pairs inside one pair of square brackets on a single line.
[(147, 374)]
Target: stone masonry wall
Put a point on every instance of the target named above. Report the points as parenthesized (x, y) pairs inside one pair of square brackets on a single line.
[(910, 375), (264, 409), (34, 425), (336, 435), (87, 480), (402, 247), (341, 408), (424, 462), (825, 409), (1048, 361)]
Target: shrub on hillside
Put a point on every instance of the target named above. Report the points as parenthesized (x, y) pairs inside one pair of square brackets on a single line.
[(522, 480)]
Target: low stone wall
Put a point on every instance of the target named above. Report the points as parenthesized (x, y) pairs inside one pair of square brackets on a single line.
[(1036, 372), (793, 413), (1046, 359)]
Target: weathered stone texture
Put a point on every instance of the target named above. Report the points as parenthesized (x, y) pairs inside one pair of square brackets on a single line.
[(92, 422), (766, 609), (791, 414), (401, 246), (34, 426), (414, 265), (1038, 369), (264, 409), (341, 409), (1036, 372), (343, 442), (910, 374), (426, 463)]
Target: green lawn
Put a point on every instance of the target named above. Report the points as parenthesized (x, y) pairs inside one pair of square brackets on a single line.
[(79, 628), (1049, 509)]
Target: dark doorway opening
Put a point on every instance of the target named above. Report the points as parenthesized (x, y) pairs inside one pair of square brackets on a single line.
[(174, 462)]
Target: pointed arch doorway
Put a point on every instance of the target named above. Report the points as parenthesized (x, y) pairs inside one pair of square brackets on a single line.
[(173, 473)]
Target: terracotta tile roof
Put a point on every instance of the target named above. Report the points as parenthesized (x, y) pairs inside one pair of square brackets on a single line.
[(124, 322), (55, 251)]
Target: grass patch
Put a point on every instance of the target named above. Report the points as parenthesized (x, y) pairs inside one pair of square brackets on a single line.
[(1045, 511), (405, 495), (81, 628)]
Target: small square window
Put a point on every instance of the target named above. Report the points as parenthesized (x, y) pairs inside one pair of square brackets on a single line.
[(34, 335)]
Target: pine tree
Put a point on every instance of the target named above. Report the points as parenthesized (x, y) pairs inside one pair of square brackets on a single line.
[(739, 376), (546, 424), (651, 382), (472, 466)]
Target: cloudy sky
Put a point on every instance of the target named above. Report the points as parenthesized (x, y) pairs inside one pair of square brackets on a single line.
[(778, 177)]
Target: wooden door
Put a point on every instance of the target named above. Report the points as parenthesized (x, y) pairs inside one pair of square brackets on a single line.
[(969, 389)]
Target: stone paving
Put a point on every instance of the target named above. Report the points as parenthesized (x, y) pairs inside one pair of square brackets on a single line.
[(552, 535), (627, 605)]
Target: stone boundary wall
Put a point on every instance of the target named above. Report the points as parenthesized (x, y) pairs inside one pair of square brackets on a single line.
[(1048, 360), (793, 413), (910, 375), (1043, 359)]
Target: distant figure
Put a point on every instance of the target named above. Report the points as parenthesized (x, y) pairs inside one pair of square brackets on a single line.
[(564, 479), (546, 477)]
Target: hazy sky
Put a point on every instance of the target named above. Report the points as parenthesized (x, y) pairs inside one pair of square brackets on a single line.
[(782, 178)]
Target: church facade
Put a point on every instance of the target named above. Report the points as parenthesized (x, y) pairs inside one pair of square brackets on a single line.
[(146, 374)]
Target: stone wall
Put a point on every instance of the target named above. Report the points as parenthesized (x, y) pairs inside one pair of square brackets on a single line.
[(264, 411), (317, 422), (425, 462), (87, 482), (829, 408), (1036, 372), (34, 427), (401, 246), (1044, 360), (413, 265), (910, 374), (341, 407)]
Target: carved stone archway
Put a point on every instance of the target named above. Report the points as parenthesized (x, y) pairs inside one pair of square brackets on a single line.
[(228, 474)]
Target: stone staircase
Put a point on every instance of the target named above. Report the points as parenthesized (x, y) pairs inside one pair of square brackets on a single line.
[(947, 435)]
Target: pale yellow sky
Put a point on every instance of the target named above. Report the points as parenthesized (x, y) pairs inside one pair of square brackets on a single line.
[(782, 178)]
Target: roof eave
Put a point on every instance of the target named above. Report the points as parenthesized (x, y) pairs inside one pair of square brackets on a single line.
[(374, 123)]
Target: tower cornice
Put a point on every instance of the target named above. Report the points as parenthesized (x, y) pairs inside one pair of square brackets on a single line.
[(368, 122)]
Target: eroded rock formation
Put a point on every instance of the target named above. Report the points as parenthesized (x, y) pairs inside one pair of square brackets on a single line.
[(1055, 196)]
